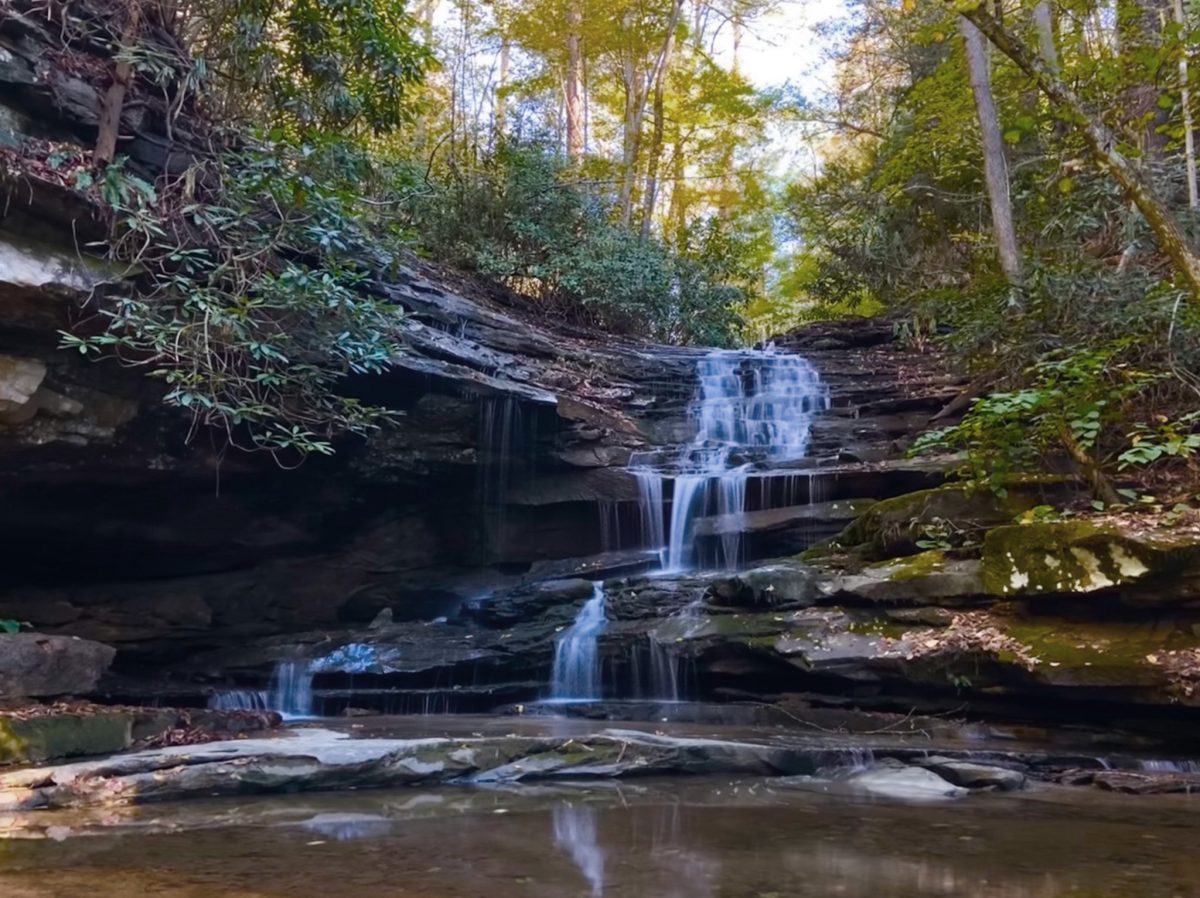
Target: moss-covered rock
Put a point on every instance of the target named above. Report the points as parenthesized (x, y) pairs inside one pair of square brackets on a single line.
[(1064, 557), (35, 739), (894, 526), (930, 578)]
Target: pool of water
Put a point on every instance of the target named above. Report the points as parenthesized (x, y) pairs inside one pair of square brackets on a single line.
[(697, 838)]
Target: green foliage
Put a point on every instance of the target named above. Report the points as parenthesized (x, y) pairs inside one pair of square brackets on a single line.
[(518, 217), (337, 66), (1162, 440), (1072, 403), (7, 625), (253, 306)]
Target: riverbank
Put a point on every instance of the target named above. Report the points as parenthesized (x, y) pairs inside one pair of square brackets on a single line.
[(500, 752)]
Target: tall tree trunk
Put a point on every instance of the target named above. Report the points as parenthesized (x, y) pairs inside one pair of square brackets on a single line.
[(1103, 144), (501, 90), (1043, 21), (995, 167), (114, 98), (1185, 99), (573, 88), (656, 141)]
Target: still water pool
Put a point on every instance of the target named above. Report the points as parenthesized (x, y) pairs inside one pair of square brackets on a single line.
[(696, 838)]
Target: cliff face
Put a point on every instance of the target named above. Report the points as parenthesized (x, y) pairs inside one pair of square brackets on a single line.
[(506, 467)]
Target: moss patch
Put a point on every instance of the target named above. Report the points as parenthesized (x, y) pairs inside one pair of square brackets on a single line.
[(893, 526), (36, 739), (1076, 557)]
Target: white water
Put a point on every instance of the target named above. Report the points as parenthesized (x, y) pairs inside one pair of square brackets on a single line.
[(576, 657), (291, 689), (753, 406)]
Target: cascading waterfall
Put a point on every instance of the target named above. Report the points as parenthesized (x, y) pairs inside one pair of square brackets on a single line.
[(752, 408), (292, 689), (576, 673)]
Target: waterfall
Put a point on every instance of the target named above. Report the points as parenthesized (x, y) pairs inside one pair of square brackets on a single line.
[(576, 659), (752, 407), (291, 689), (239, 700)]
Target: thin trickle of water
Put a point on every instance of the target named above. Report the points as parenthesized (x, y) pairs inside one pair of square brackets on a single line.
[(239, 700), (752, 407), (576, 674), (292, 690)]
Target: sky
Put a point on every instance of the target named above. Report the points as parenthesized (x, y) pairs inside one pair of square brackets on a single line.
[(784, 46)]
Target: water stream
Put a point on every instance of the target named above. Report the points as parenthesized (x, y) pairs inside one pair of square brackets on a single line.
[(577, 674), (752, 407)]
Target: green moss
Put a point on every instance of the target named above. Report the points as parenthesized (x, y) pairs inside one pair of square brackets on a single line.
[(893, 526), (36, 739), (919, 565), (1066, 557)]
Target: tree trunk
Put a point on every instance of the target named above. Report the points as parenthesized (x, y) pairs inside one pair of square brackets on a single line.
[(501, 88), (656, 141), (573, 88), (1185, 100), (1103, 144), (995, 167), (1043, 21), (114, 99)]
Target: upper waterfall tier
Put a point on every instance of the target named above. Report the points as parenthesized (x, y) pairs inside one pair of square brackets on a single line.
[(751, 407)]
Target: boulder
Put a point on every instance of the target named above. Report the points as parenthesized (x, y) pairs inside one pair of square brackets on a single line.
[(35, 665), (970, 775), (894, 526), (930, 578), (1060, 557), (786, 585), (904, 783)]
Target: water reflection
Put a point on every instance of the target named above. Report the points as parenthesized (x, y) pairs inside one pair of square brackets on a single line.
[(694, 839), (346, 827), (575, 831)]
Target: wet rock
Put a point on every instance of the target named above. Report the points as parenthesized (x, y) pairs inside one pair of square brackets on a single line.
[(893, 526), (970, 775), (1076, 557), (904, 783), (37, 665), (1138, 783), (928, 578), (782, 586), (527, 603)]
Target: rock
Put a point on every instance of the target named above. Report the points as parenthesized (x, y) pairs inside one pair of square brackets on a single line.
[(35, 665), (1078, 557), (970, 775), (928, 578), (904, 784), (528, 602), (893, 526), (316, 759), (791, 585), (38, 739), (1137, 783), (19, 382)]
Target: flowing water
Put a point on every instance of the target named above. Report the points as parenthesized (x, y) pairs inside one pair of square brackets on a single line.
[(577, 674), (698, 838), (752, 407)]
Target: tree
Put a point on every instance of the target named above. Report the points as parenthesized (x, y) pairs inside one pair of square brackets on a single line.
[(1101, 141), (995, 165)]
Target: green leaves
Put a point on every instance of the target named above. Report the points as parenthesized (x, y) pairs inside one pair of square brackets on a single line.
[(253, 319)]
